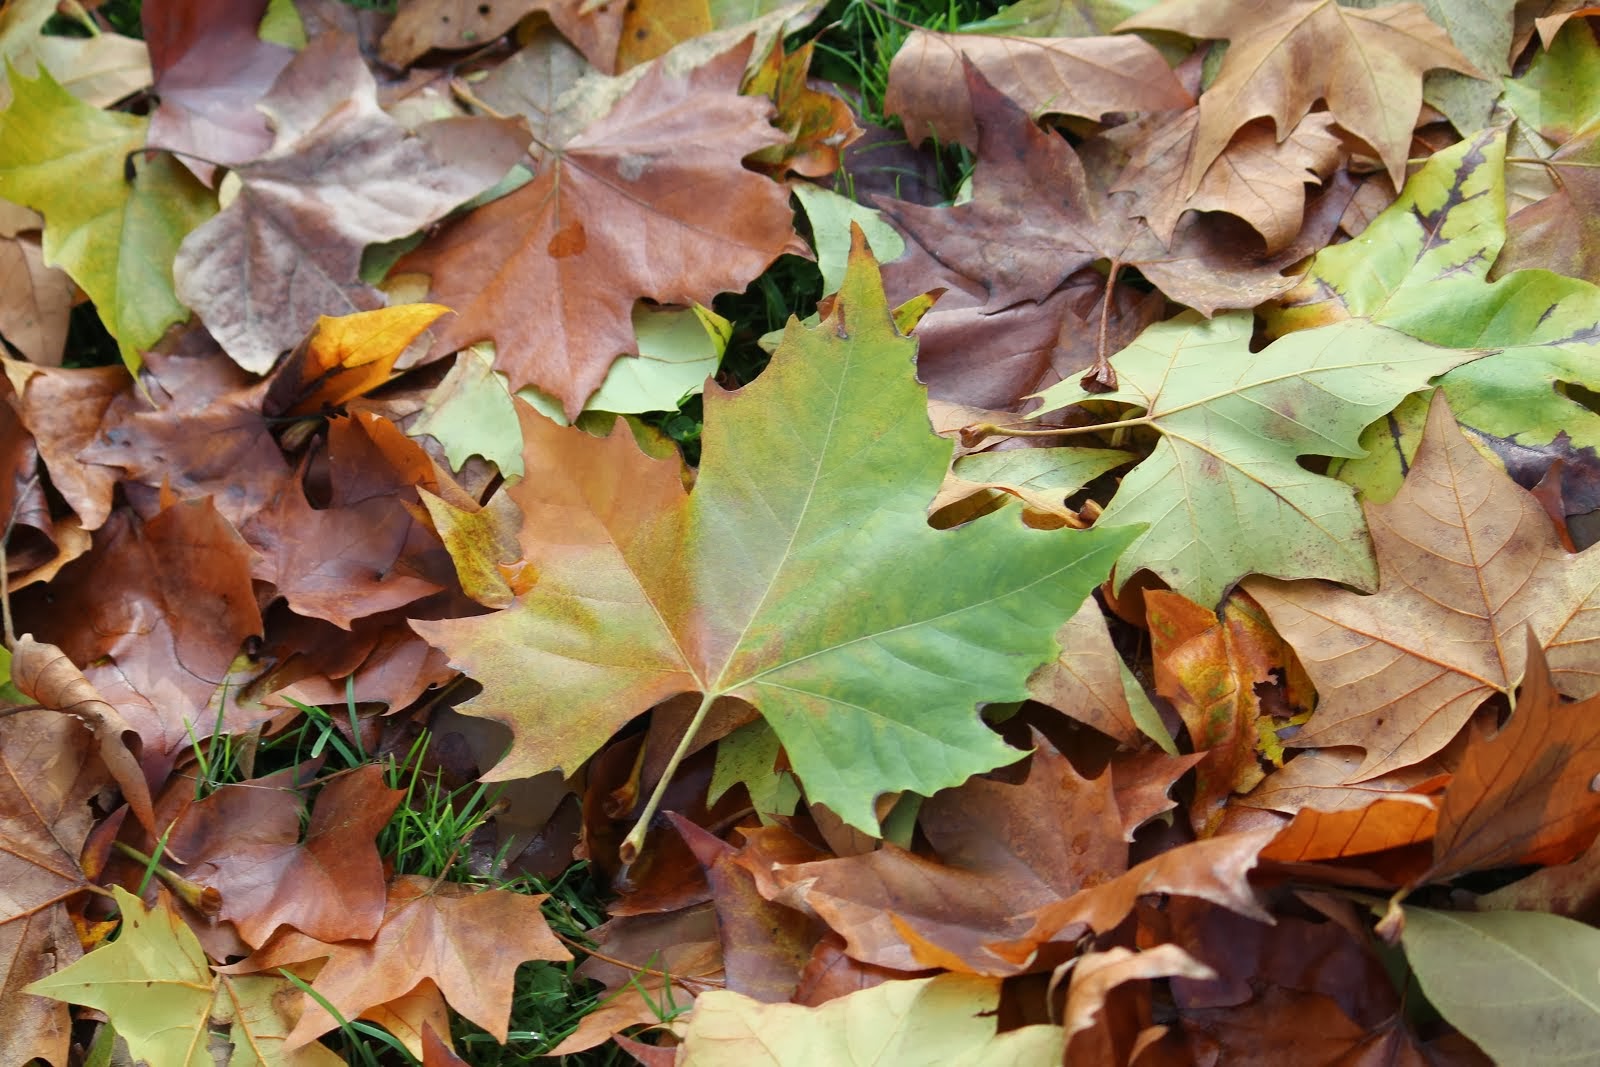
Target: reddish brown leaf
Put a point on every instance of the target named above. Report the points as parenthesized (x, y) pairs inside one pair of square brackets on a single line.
[(48, 774), (159, 610), (1036, 216), (244, 840), (764, 945), (649, 201), (468, 942), (63, 410), (1213, 870), (1528, 794), (32, 947), (363, 554)]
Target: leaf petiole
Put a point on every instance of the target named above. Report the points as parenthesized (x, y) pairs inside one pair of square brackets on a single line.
[(629, 850)]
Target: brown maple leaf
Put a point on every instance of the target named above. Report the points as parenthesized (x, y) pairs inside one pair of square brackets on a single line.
[(1467, 560), (244, 841), (1258, 178), (420, 25), (1285, 56), (1084, 76), (1527, 794), (341, 174), (63, 409), (1038, 214), (650, 201), (157, 612), (468, 942)]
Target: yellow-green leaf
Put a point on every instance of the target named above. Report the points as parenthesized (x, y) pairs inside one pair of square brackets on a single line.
[(115, 237)]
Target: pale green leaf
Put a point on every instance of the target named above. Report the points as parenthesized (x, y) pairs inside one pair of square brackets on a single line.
[(831, 216), (1523, 985), (945, 1021), (156, 985), (1233, 424), (1422, 267), (471, 414)]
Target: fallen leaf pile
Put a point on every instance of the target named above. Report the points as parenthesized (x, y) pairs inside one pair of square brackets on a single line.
[(1142, 613)]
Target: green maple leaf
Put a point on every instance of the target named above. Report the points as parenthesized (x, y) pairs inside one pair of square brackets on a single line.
[(1422, 267), (800, 576), (116, 238), (161, 994), (1223, 494)]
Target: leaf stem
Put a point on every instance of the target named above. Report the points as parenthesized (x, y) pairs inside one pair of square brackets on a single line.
[(629, 850), (979, 430)]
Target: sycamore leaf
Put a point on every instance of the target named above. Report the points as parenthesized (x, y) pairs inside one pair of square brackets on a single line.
[(38, 300), (1257, 177), (1086, 76), (48, 775), (244, 841), (651, 200), (470, 413), (162, 996), (1555, 98), (210, 69), (1059, 18), (1038, 214), (819, 124), (45, 674), (34, 947), (1527, 794), (1233, 423), (115, 237), (1422, 268), (948, 1019), (469, 943), (1467, 561), (1483, 32), (801, 576), (341, 174), (346, 356), (1284, 57), (98, 70), (1521, 985)]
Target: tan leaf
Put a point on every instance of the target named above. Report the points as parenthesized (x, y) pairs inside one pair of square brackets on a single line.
[(1467, 560), (1284, 57), (44, 673)]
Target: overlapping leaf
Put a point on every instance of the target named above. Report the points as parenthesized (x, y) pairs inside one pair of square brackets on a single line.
[(1233, 423), (1467, 561), (800, 576), (649, 201), (116, 237)]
